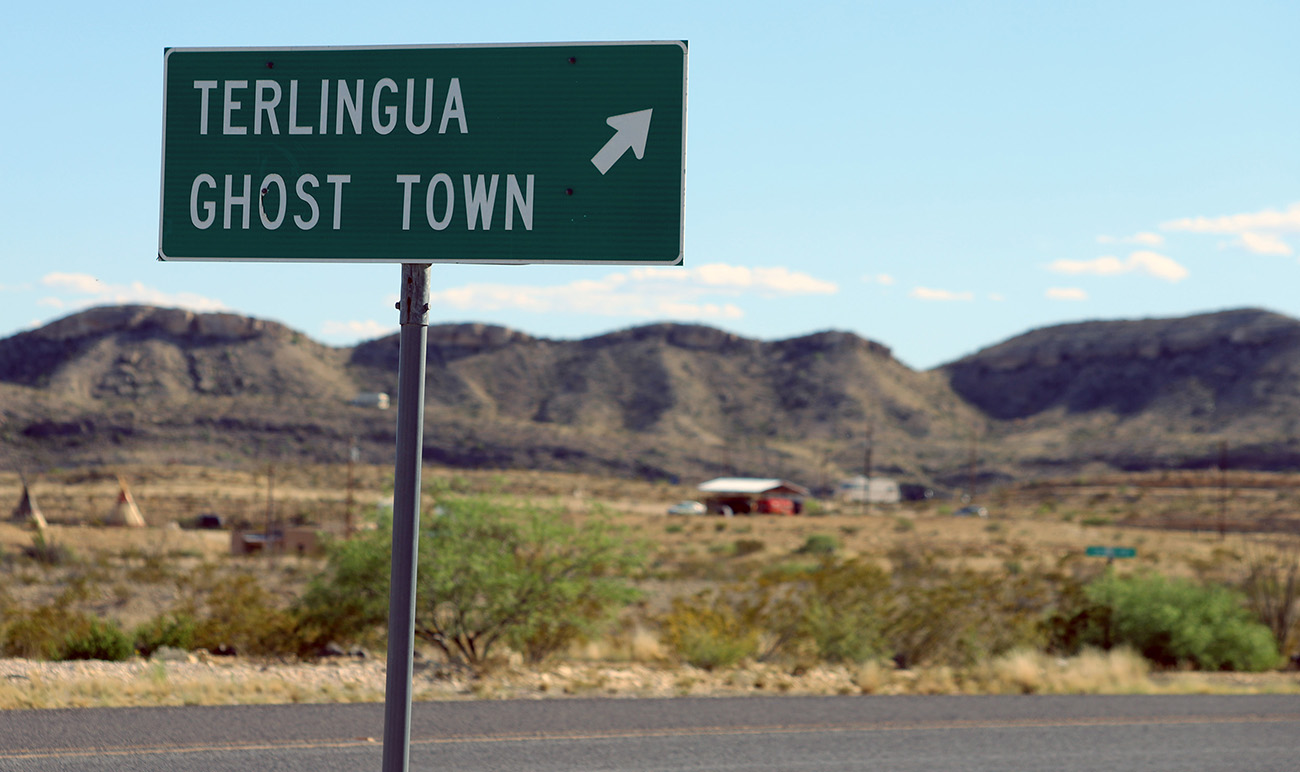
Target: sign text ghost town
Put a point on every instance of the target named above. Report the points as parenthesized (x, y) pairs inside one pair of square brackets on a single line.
[(571, 153)]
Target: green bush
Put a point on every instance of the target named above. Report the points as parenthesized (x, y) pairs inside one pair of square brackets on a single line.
[(707, 631), (38, 633), (48, 552), (832, 612), (1175, 622), (489, 574), (173, 630), (819, 544), (97, 640), (958, 616), (235, 612)]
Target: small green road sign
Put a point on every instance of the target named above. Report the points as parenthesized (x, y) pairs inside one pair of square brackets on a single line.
[(545, 153), (1111, 552)]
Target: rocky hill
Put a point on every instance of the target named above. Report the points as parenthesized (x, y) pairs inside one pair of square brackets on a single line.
[(140, 384), (1145, 394)]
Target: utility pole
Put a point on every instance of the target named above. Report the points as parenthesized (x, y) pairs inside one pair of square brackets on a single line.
[(974, 463), (866, 466), (1223, 489), (354, 455), (268, 544)]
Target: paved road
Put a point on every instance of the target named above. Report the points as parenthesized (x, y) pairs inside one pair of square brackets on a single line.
[(998, 734)]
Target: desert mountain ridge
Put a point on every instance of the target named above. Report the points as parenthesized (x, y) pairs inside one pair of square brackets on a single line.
[(138, 384)]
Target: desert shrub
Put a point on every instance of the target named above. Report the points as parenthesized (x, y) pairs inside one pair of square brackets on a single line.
[(1272, 589), (490, 574), (154, 568), (234, 612), (958, 616), (173, 630), (830, 612), (350, 599), (708, 631), (8, 609), (819, 544), (1075, 621), (97, 640), (745, 547), (49, 552), (1175, 622), (39, 633), (519, 575)]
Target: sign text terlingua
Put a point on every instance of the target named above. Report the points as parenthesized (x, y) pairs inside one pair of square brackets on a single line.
[(563, 153)]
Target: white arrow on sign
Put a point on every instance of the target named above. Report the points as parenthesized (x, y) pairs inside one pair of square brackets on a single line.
[(630, 133)]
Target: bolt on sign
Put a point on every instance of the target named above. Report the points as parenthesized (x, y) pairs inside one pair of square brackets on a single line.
[(540, 153)]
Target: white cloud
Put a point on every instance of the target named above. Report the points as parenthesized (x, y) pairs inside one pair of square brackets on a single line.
[(73, 282), (730, 278), (1141, 261), (880, 278), (1157, 265), (940, 295), (1066, 293), (357, 329), (79, 290), (997, 297), (1267, 220), (1264, 244), (1257, 232), (1145, 238), (1102, 266), (652, 292)]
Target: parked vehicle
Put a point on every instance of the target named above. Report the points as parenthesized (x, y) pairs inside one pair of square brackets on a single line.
[(687, 508), (209, 521), (971, 511)]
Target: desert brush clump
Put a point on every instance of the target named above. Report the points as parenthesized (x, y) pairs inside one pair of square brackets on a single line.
[(852, 612), (48, 552), (1171, 622), (493, 573), (819, 544), (176, 631), (55, 632), (709, 630), (1272, 589), (98, 639), (958, 616), (233, 612), (828, 612)]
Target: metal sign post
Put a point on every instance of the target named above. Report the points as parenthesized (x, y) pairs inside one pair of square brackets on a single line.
[(414, 308)]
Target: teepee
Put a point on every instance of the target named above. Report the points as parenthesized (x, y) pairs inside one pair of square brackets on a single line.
[(126, 512), (27, 512)]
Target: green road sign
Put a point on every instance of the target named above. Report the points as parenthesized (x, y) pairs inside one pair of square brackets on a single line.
[(564, 153), (1111, 552)]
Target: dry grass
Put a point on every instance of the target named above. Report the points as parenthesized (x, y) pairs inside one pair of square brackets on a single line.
[(143, 684)]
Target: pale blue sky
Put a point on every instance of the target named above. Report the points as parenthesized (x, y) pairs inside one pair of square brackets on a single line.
[(934, 176)]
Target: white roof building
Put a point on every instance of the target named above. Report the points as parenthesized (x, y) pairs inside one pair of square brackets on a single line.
[(753, 486)]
